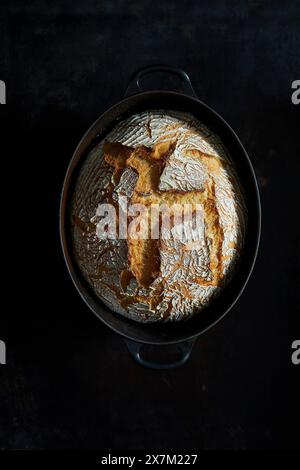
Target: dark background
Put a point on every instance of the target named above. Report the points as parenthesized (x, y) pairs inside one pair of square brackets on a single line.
[(69, 381)]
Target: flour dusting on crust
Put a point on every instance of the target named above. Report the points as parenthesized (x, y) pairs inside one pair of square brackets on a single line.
[(154, 157)]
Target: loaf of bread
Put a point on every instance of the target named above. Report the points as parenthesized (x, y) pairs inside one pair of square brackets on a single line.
[(159, 158)]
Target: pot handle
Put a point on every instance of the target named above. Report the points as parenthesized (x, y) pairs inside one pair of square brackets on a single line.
[(134, 84), (185, 349)]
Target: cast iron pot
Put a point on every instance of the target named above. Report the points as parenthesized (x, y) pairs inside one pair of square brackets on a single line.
[(182, 334)]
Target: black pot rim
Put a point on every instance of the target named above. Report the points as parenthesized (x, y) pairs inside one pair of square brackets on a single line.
[(65, 195)]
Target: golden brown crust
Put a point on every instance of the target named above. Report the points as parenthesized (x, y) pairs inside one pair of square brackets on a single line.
[(155, 278), (143, 254)]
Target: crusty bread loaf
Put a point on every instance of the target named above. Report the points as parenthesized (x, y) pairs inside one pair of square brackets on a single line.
[(159, 157)]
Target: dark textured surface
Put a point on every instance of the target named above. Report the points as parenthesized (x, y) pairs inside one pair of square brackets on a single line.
[(69, 381)]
